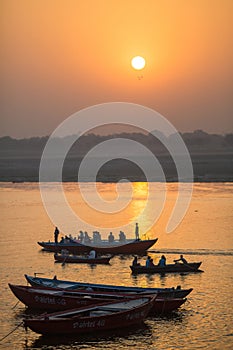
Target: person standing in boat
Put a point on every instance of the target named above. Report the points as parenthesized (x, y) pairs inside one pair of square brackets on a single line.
[(137, 232), (182, 259), (56, 233)]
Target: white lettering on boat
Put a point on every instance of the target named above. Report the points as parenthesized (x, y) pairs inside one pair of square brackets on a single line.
[(135, 315), (49, 300), (89, 324)]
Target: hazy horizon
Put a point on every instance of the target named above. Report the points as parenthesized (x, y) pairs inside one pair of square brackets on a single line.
[(107, 132), (60, 57)]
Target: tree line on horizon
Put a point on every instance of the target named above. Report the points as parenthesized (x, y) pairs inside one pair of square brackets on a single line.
[(197, 141)]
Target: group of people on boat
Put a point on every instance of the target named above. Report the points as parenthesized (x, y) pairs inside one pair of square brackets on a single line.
[(161, 263), (83, 237)]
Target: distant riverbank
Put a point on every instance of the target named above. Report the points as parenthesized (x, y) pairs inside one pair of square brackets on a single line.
[(206, 168)]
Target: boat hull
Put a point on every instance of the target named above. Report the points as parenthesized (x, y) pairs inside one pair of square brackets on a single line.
[(133, 247), (172, 268), (71, 285), (81, 260), (59, 324), (49, 299)]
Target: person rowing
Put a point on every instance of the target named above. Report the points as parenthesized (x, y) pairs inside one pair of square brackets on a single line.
[(182, 259)]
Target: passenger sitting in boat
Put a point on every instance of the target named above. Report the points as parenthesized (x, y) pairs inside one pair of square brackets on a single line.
[(67, 239), (96, 237), (111, 238), (81, 236), (86, 238), (122, 236), (148, 261), (92, 254), (62, 240), (151, 262), (184, 261), (162, 261), (135, 261)]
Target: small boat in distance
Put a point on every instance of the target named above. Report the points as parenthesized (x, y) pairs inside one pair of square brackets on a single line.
[(72, 286), (113, 315), (81, 259), (169, 268), (104, 247)]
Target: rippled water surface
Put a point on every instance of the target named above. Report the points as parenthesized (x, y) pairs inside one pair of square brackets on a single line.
[(204, 322)]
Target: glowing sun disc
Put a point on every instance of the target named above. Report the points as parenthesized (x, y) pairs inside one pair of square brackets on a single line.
[(138, 62)]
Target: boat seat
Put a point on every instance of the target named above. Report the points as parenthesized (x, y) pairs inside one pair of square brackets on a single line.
[(115, 308), (100, 312)]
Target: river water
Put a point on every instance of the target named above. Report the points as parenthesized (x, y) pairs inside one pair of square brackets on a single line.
[(205, 234)]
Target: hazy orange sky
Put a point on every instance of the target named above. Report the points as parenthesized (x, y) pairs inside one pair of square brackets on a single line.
[(59, 56)]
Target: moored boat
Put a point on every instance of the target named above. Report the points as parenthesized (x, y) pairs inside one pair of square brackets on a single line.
[(103, 317), (71, 285), (52, 299), (82, 259), (169, 268), (128, 247)]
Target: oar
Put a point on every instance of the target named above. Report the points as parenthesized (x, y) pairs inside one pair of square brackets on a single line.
[(64, 261), (192, 268)]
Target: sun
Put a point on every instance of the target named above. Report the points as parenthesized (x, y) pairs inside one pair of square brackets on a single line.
[(138, 62)]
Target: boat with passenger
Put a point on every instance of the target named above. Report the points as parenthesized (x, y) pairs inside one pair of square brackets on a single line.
[(170, 268), (104, 247), (84, 243)]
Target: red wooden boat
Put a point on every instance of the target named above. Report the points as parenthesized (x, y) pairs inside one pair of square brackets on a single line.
[(129, 247), (52, 299), (81, 259), (93, 319)]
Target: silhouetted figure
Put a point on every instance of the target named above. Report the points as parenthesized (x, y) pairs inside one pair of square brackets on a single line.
[(148, 261), (162, 261), (87, 239), (151, 263), (182, 259), (122, 236), (111, 238), (56, 233)]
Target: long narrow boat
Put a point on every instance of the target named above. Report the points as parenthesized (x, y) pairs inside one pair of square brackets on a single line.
[(82, 259), (55, 283), (129, 247), (93, 319), (52, 299), (170, 268)]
